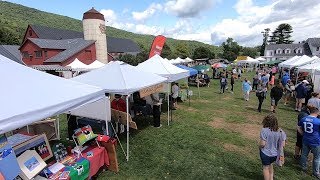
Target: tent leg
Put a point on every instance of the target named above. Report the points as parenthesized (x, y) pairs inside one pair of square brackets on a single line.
[(58, 127), (127, 128), (297, 77), (168, 104)]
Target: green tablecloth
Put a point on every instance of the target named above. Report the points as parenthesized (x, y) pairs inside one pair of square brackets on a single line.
[(79, 170)]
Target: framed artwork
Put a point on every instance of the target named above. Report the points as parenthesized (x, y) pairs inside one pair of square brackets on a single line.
[(31, 164), (39, 143)]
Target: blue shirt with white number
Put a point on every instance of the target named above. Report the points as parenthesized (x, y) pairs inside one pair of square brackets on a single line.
[(310, 126)]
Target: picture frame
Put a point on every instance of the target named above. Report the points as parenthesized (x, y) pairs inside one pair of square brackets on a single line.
[(38, 143), (31, 164)]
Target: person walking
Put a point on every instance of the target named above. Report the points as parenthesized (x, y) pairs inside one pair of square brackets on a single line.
[(223, 83), (260, 92), (232, 82), (276, 94), (301, 93), (271, 138), (246, 88), (289, 88), (309, 127), (255, 82), (314, 100)]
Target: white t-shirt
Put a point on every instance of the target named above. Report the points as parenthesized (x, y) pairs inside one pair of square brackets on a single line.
[(175, 91), (234, 71)]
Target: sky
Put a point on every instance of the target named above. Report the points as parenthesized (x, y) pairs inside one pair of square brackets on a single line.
[(208, 21)]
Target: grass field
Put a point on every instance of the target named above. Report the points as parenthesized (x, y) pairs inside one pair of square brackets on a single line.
[(215, 137)]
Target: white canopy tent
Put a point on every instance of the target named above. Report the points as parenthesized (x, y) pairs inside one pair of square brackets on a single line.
[(188, 60), (299, 62), (80, 66), (158, 65), (288, 61), (261, 59), (310, 68), (177, 61), (28, 95), (118, 78)]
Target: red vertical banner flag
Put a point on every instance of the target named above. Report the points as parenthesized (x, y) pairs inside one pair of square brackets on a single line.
[(157, 45)]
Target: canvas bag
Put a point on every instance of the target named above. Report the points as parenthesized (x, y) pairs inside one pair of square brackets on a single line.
[(280, 156)]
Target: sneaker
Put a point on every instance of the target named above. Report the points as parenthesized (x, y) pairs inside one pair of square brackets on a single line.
[(159, 126)]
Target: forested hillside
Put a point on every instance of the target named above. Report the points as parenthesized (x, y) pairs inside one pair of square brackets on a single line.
[(14, 19)]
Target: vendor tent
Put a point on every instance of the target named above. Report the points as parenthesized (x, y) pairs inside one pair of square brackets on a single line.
[(188, 60), (288, 61), (119, 79), (192, 71), (29, 95), (80, 66), (299, 62), (202, 68), (261, 59), (158, 65), (116, 77), (164, 68)]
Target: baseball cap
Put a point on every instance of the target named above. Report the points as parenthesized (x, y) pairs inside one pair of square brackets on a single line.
[(305, 81)]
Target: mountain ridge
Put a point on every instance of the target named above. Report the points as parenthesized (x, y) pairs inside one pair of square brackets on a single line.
[(14, 19)]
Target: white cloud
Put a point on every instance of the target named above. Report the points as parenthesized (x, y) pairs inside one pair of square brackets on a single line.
[(246, 28), (188, 8), (109, 15), (150, 11)]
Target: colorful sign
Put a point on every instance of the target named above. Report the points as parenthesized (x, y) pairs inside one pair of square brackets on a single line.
[(157, 45)]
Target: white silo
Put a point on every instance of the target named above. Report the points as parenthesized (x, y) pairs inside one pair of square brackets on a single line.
[(94, 29)]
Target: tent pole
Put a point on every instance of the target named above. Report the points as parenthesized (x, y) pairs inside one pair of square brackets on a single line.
[(58, 127), (168, 103), (127, 128)]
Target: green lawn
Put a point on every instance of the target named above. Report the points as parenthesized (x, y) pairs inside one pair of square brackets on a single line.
[(214, 138)]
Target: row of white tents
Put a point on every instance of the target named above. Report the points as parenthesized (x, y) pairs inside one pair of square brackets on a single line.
[(29, 95), (181, 61)]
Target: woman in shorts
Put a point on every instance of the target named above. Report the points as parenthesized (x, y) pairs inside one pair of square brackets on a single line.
[(270, 137)]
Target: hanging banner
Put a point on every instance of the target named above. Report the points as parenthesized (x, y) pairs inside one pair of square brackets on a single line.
[(157, 45), (150, 90)]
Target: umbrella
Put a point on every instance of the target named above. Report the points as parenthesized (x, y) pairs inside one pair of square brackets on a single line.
[(219, 65)]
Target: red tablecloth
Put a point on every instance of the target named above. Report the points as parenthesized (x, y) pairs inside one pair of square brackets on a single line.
[(100, 157)]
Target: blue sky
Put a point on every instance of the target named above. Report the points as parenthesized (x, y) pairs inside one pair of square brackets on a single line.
[(209, 21)]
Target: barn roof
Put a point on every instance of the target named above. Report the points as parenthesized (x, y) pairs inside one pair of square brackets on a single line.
[(121, 45), (44, 32), (113, 44), (12, 52)]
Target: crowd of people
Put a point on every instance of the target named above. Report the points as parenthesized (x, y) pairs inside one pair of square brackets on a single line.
[(272, 138)]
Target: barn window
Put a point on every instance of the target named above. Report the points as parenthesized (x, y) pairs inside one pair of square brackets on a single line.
[(30, 32), (45, 53), (38, 54), (25, 54)]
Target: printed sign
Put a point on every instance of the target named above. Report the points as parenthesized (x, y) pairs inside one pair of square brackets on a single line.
[(150, 90)]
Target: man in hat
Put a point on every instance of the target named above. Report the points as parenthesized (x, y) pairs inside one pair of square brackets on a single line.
[(301, 93)]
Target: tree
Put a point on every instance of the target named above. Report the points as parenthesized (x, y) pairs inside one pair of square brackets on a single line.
[(182, 50), (265, 34), (231, 49), (249, 51), (282, 34), (166, 52), (202, 52)]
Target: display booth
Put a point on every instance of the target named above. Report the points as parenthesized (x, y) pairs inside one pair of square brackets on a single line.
[(119, 78), (157, 65), (37, 96)]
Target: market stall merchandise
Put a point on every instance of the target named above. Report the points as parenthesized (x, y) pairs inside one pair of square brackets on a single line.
[(164, 68), (30, 95), (118, 78)]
